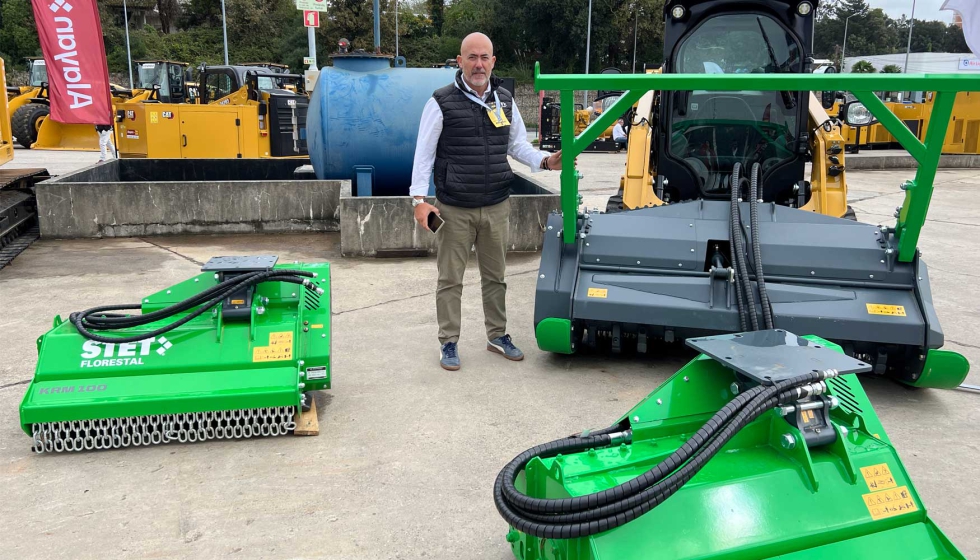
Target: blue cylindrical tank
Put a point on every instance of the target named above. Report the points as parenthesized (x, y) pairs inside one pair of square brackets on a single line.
[(363, 112)]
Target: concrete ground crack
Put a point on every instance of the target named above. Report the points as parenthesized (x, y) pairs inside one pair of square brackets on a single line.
[(950, 340), (16, 383), (416, 296), (169, 250)]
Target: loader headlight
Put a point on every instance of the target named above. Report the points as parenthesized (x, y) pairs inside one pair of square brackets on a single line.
[(804, 8), (677, 12), (857, 114)]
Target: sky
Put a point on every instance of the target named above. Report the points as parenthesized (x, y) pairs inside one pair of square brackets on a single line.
[(924, 9)]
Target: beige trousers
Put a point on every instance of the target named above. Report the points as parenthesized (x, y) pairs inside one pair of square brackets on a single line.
[(487, 228)]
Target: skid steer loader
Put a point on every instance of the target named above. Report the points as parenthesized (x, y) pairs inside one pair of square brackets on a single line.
[(721, 193)]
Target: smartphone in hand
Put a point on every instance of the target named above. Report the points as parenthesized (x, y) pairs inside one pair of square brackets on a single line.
[(435, 222)]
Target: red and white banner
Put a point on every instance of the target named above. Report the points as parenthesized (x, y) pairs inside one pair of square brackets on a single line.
[(78, 79)]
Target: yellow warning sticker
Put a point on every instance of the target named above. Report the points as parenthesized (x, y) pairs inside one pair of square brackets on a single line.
[(280, 348), (598, 292), (882, 309), (153, 117), (238, 302), (889, 503), (878, 477), (317, 326)]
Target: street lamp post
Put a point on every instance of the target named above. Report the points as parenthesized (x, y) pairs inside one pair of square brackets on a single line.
[(908, 47), (129, 57), (588, 47), (843, 49), (224, 30)]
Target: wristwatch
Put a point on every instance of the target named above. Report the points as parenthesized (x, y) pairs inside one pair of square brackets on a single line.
[(417, 201)]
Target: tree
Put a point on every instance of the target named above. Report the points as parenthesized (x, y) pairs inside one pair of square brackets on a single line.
[(863, 67), (19, 36), (954, 40), (891, 69), (169, 11), (437, 10)]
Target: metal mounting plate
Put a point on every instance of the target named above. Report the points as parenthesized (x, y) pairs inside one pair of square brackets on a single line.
[(773, 355)]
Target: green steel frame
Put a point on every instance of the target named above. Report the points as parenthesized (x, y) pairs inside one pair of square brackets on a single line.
[(918, 192)]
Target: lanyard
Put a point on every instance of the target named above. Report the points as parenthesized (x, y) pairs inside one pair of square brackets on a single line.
[(481, 103)]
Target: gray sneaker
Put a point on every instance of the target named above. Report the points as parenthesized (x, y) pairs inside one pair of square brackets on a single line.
[(449, 356), (503, 345)]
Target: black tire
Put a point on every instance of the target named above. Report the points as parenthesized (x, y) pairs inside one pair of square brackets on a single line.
[(615, 203), (26, 121), (850, 215)]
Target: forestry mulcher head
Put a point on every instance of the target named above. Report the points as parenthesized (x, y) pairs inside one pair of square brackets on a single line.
[(764, 446), (227, 354)]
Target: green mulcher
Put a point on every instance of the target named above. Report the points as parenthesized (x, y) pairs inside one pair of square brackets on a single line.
[(230, 353), (764, 446)]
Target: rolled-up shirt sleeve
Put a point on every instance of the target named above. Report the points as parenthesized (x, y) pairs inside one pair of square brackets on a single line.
[(430, 128), (518, 147)]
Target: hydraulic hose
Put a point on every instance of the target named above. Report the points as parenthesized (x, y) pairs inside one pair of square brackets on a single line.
[(595, 513), (96, 318), (739, 290), (756, 249), (738, 253)]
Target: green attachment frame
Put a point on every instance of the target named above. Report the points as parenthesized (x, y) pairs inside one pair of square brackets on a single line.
[(918, 192)]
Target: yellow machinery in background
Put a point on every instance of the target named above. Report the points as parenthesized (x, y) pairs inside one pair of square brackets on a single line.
[(639, 187), (27, 114), (159, 81), (6, 134), (241, 113), (962, 137)]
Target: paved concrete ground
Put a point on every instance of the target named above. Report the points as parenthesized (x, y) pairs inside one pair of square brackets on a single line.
[(407, 454)]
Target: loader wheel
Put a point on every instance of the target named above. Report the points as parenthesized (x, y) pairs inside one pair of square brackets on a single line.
[(615, 203), (850, 215), (26, 122)]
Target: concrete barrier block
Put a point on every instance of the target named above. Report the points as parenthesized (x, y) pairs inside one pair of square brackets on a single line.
[(384, 226)]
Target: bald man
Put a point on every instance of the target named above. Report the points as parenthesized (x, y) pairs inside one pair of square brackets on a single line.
[(468, 129)]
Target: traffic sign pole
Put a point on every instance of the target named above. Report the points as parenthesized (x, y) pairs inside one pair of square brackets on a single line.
[(311, 37)]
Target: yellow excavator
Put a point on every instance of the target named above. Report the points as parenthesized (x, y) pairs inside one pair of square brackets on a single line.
[(240, 112)]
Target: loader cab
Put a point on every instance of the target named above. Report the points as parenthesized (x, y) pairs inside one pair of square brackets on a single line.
[(702, 134), (164, 76), (37, 72), (217, 82)]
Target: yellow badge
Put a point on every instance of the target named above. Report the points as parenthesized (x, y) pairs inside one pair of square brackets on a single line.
[(492, 112), (598, 292), (153, 117)]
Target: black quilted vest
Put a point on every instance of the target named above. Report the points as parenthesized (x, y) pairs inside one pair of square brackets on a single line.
[(471, 168)]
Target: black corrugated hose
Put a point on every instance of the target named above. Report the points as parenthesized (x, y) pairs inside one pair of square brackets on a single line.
[(591, 514), (756, 249), (96, 318), (743, 286)]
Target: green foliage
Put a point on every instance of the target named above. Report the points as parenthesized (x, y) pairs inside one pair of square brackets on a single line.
[(19, 37), (863, 67), (891, 69)]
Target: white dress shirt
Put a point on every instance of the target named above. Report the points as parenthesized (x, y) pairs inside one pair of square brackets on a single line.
[(430, 129)]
